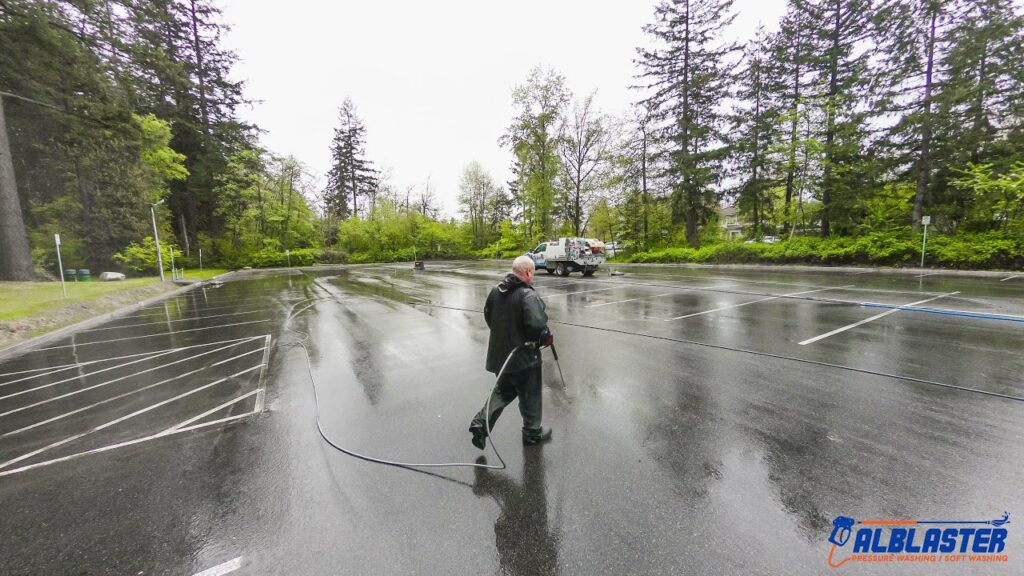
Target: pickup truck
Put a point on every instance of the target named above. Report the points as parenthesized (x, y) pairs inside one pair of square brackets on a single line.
[(567, 255)]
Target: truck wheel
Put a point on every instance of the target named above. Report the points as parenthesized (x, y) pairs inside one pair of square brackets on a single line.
[(561, 269), (549, 271), (588, 272)]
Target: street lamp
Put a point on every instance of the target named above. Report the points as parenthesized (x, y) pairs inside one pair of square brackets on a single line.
[(156, 238)]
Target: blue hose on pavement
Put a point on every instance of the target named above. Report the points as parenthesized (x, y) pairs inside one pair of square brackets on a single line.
[(946, 312)]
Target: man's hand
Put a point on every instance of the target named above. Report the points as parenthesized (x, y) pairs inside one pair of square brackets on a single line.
[(546, 339)]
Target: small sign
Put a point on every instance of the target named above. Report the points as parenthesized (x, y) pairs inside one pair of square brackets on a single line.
[(56, 239), (926, 220)]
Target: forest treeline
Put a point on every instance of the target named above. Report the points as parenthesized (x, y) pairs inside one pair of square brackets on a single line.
[(835, 131)]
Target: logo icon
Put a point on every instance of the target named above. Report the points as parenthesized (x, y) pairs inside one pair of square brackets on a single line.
[(919, 541)]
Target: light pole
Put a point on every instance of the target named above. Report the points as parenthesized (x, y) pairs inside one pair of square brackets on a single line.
[(156, 238)]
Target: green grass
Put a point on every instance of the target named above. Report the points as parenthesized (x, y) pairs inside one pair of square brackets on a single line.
[(204, 274), (24, 299)]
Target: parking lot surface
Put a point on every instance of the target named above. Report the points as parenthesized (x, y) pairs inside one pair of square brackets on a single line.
[(710, 420)]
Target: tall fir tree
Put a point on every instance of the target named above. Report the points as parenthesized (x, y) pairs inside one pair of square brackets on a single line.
[(913, 36), (791, 65), (351, 175), (687, 78), (842, 50), (982, 106), (755, 122)]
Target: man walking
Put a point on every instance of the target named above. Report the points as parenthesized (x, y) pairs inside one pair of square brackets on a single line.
[(515, 314)]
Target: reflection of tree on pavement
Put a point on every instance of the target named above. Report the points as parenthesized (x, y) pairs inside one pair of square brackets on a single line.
[(521, 533)]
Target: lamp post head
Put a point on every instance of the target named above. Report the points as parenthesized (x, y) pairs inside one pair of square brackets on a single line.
[(159, 202)]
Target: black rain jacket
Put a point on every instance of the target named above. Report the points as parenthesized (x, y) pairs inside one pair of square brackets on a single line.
[(515, 314)]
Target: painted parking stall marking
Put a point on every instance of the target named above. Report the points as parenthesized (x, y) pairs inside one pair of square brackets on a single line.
[(731, 306), (871, 319)]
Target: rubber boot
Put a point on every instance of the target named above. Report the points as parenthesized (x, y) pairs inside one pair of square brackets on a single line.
[(479, 437), (536, 436)]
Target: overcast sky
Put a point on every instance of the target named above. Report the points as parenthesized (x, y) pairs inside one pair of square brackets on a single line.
[(432, 81)]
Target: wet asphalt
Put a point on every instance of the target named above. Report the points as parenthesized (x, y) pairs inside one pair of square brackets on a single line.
[(711, 420)]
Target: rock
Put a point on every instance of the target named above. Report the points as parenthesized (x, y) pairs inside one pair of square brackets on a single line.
[(111, 276)]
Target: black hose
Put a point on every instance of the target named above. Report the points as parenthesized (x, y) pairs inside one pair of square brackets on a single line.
[(353, 453)]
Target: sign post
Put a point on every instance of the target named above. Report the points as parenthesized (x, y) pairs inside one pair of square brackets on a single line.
[(174, 273), (60, 265), (288, 255), (200, 259), (926, 220)]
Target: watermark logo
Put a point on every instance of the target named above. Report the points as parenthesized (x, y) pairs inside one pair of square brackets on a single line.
[(917, 541)]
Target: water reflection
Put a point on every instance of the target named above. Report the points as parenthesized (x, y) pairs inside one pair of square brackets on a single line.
[(523, 537)]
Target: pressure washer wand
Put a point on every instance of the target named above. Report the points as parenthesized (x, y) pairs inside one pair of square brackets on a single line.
[(555, 354)]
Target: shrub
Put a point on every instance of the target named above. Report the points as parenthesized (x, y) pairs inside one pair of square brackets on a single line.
[(142, 258), (900, 248)]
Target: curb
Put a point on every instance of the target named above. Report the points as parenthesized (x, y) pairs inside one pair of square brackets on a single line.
[(38, 341), (806, 268)]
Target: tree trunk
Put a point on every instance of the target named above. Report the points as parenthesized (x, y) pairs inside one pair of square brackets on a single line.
[(184, 236), (978, 109), (643, 181), (923, 166), (200, 71), (15, 256), (689, 195), (830, 125), (793, 127)]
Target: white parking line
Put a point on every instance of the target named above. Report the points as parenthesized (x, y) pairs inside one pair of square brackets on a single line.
[(221, 569), (105, 425), (1009, 278), (927, 274), (580, 292), (157, 312), (62, 367), (123, 444), (186, 319), (628, 300), (731, 306), (79, 345), (871, 319), (119, 396), (79, 377), (213, 410), (80, 390)]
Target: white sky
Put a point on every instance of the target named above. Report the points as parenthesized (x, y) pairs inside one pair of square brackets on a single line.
[(432, 80)]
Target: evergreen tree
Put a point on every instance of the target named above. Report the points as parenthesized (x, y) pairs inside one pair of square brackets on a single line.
[(841, 45), (982, 105), (791, 55), (687, 77), (351, 174), (912, 33), (756, 125), (181, 72)]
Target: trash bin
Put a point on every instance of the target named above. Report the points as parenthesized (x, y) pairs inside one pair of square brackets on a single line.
[(70, 274), (83, 275)]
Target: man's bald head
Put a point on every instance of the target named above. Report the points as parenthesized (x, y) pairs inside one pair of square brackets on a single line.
[(523, 267)]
